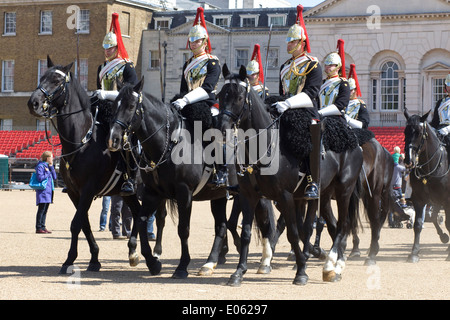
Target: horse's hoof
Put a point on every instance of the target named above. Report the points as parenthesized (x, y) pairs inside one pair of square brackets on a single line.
[(155, 267), (264, 270), (319, 253), (180, 274), (448, 258), (205, 271), (301, 280), (370, 262), (235, 280), (64, 269), (329, 276), (133, 259), (354, 254), (94, 267), (413, 258), (444, 238)]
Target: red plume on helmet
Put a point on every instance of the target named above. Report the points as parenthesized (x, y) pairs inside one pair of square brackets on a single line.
[(352, 74), (121, 51), (200, 19), (299, 20), (257, 56), (340, 49)]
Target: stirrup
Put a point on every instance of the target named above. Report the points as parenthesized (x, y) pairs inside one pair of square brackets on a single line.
[(311, 191), (127, 188)]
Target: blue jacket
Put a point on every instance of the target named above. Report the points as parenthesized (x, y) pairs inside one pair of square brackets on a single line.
[(44, 171)]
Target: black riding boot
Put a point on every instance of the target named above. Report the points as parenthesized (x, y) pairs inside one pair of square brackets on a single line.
[(312, 189), (128, 187)]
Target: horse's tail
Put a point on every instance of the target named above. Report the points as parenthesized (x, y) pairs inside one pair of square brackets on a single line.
[(268, 222), (353, 208), (172, 209)]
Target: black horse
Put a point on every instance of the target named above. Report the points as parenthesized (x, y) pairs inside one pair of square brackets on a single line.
[(87, 166), (173, 168), (272, 172), (429, 177)]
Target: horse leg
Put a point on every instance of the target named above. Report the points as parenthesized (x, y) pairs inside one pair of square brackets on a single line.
[(233, 222), (418, 225), (377, 216), (184, 204), (218, 209), (248, 211), (287, 208), (434, 218), (266, 223), (447, 225), (133, 257), (160, 218), (140, 218), (307, 228)]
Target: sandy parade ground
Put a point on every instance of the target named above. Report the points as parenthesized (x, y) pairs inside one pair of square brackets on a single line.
[(30, 263)]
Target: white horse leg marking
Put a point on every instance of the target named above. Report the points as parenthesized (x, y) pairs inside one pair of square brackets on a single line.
[(266, 257)]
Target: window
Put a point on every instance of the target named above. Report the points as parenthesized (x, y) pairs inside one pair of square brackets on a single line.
[(42, 68), (438, 87), (249, 21), (389, 84), (278, 20), (6, 124), (163, 23), (40, 125), (8, 76), (83, 21), (374, 94), (272, 59), (125, 23), (10, 23), (83, 76), (222, 21), (153, 59), (46, 22), (241, 57), (186, 56)]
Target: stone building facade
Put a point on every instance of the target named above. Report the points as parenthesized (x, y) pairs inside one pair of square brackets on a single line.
[(401, 50)]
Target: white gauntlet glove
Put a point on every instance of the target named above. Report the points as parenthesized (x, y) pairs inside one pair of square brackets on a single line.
[(353, 122), (194, 96), (301, 100), (444, 131), (107, 94)]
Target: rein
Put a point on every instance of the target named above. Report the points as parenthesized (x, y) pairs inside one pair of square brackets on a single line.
[(149, 166)]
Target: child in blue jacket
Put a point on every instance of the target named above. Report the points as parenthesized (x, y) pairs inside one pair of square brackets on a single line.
[(44, 170)]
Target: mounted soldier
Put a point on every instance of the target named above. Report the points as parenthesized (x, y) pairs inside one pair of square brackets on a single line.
[(199, 83), (441, 116), (255, 73), (117, 68), (356, 113), (335, 92), (300, 80)]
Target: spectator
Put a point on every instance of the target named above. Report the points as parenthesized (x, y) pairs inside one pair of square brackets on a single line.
[(120, 229), (104, 214), (44, 170)]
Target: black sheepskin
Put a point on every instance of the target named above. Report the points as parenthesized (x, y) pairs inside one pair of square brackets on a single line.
[(337, 136), (105, 110), (363, 135), (294, 132)]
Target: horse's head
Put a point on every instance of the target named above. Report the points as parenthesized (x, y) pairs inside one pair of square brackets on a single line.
[(50, 94), (128, 114), (233, 98), (416, 133)]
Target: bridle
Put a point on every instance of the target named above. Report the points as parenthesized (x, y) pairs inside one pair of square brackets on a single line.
[(415, 151), (246, 108), (51, 111), (128, 128)]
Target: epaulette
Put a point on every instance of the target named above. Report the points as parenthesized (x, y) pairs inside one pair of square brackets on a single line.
[(210, 56), (312, 58)]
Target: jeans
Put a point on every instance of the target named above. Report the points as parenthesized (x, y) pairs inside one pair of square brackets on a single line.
[(104, 214), (41, 215)]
